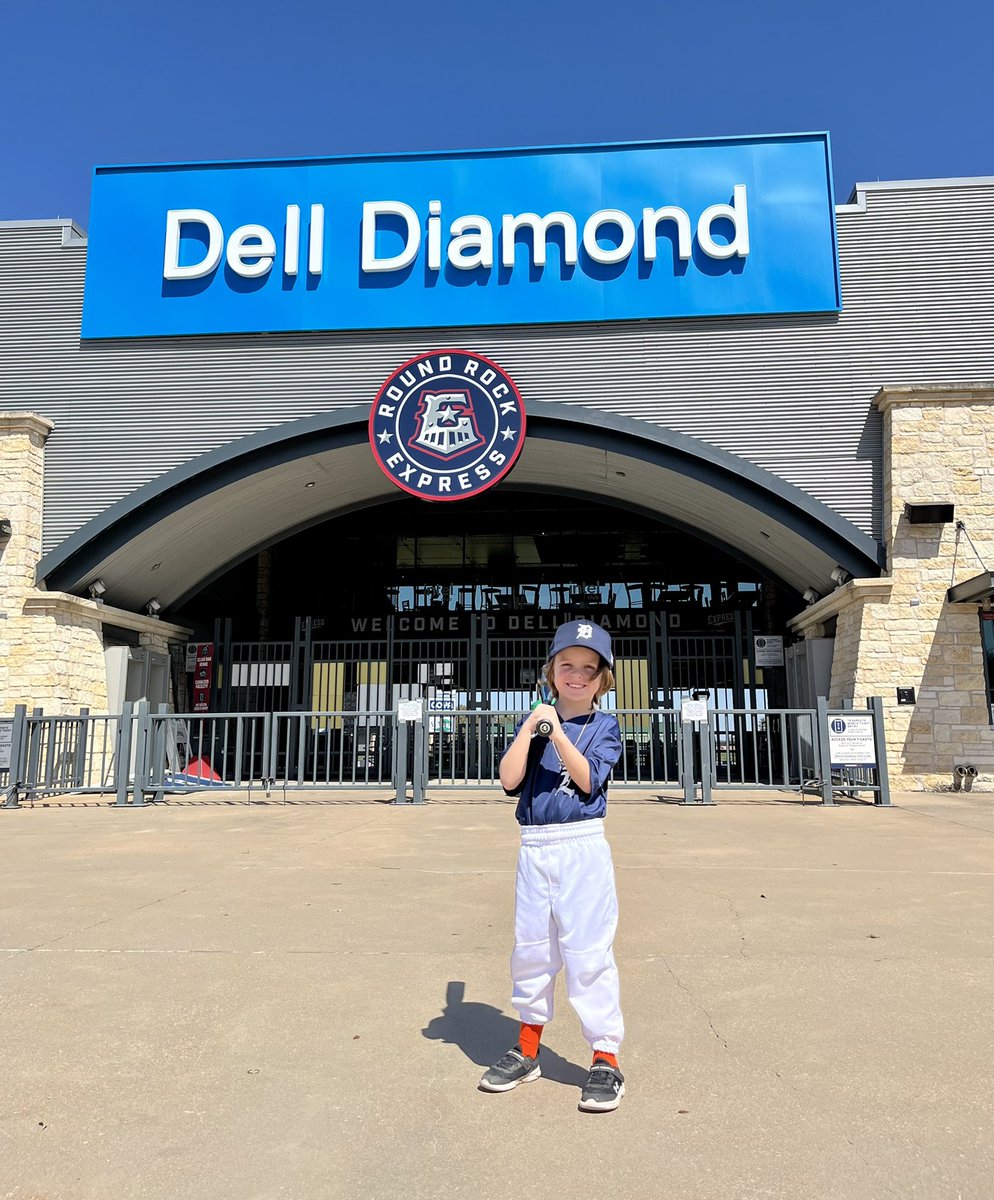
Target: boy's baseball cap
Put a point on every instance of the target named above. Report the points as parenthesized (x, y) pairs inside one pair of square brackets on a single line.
[(583, 633)]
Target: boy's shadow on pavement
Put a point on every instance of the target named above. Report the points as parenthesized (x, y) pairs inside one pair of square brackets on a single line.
[(483, 1033)]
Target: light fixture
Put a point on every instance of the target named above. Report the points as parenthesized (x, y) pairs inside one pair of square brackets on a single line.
[(840, 576), (97, 589), (809, 595), (4, 527), (929, 514), (154, 607)]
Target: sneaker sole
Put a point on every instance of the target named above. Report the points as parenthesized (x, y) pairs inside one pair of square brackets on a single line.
[(534, 1073), (602, 1105)]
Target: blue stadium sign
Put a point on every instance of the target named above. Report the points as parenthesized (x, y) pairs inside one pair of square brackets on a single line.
[(730, 226)]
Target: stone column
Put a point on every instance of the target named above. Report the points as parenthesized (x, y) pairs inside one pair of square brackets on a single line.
[(902, 631), (51, 643)]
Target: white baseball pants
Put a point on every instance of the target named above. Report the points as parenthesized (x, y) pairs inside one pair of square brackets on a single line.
[(566, 915)]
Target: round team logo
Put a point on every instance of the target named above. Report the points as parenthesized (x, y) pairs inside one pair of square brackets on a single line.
[(447, 425)]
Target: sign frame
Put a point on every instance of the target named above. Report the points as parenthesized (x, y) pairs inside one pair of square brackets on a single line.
[(734, 226)]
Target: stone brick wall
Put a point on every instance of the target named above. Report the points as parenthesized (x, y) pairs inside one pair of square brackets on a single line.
[(903, 631), (52, 643)]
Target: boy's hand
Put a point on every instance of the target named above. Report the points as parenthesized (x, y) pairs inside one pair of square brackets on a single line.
[(540, 713)]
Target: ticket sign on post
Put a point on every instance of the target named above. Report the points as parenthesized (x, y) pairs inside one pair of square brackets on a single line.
[(850, 741), (693, 710)]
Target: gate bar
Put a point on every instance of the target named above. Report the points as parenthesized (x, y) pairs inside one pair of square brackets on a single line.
[(876, 705)]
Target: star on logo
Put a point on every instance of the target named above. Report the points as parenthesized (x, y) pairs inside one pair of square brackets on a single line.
[(507, 434), (384, 437)]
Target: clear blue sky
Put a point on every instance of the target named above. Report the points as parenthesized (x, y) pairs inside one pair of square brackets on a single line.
[(903, 87)]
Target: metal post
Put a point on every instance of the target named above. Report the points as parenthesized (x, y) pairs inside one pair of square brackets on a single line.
[(400, 761), (876, 705), (158, 753), (418, 768), (738, 675), (124, 736), (271, 735), (300, 725), (221, 691), (750, 648), (35, 739), (687, 763), (824, 754), (142, 754), (707, 759), (18, 739), (239, 751), (80, 748)]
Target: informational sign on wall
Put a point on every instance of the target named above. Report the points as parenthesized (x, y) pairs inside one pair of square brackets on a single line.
[(851, 742), (768, 650), (725, 226)]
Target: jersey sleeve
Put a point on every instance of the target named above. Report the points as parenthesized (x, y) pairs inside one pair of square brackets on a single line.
[(604, 752)]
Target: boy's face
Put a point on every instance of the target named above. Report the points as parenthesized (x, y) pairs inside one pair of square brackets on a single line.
[(577, 673)]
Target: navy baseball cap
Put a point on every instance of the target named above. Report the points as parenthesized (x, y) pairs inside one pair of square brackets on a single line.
[(583, 633)]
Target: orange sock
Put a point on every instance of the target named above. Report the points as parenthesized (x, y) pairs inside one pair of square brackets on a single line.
[(529, 1038), (610, 1059)]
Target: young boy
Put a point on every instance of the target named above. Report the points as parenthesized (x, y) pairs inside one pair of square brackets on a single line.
[(565, 907)]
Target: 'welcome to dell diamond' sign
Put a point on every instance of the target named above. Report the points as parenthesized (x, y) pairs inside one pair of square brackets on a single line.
[(587, 233)]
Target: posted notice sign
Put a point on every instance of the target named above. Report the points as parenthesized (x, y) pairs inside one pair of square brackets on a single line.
[(693, 710), (769, 650), (850, 741)]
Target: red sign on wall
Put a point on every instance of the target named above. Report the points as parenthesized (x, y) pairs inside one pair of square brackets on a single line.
[(203, 675)]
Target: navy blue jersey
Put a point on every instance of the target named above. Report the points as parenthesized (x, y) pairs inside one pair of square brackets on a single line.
[(547, 795)]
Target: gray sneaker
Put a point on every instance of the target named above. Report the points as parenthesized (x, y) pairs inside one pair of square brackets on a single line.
[(603, 1090), (509, 1071)]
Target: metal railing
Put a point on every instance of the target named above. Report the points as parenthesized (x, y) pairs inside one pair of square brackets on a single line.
[(761, 748), (138, 755), (53, 755)]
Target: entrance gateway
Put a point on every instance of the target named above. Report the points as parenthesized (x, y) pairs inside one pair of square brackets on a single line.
[(415, 527)]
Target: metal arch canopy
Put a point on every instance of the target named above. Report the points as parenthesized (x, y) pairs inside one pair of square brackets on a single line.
[(172, 536)]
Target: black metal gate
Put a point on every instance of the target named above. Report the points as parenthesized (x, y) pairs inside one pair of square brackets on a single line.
[(460, 666)]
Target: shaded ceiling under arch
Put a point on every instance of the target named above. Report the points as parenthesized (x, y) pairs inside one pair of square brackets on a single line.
[(176, 533)]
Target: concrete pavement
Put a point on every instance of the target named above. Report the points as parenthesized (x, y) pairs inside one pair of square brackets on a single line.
[(265, 1001)]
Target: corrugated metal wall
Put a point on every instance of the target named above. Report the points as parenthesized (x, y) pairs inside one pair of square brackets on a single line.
[(791, 394)]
